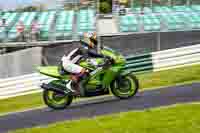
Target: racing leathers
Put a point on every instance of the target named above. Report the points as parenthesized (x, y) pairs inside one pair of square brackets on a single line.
[(70, 63)]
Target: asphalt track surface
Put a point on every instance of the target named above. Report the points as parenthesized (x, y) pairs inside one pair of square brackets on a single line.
[(143, 100)]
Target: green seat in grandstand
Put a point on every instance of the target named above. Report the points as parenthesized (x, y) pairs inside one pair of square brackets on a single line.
[(60, 27), (175, 26), (64, 24), (138, 10), (83, 28), (182, 9), (124, 21), (30, 18), (128, 20), (192, 20), (128, 28), (44, 35), (91, 28), (12, 36), (195, 25), (42, 19), (68, 35), (174, 21), (45, 28), (45, 20), (59, 34), (2, 33), (85, 21), (13, 30), (68, 27), (151, 22), (128, 23), (161, 9), (11, 18), (152, 27), (83, 24), (195, 7)]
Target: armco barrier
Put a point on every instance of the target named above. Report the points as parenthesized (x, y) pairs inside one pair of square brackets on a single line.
[(163, 60), (157, 61)]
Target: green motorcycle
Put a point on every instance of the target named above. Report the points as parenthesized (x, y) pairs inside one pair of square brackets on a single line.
[(107, 76)]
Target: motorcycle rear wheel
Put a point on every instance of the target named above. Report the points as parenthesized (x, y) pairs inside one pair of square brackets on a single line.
[(125, 87), (56, 100)]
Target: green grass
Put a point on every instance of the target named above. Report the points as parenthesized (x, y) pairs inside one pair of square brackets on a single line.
[(171, 77), (172, 119), (21, 103), (147, 81)]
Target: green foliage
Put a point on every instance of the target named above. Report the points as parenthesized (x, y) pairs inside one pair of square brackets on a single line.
[(105, 7), (68, 6), (40, 7), (27, 9)]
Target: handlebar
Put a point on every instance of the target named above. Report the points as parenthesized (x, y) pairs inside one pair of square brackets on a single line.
[(108, 62)]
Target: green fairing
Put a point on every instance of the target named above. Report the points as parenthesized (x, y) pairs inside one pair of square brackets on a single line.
[(111, 77), (52, 71), (104, 76), (87, 65), (119, 59)]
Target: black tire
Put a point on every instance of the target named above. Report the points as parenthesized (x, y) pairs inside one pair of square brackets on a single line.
[(120, 92), (51, 102)]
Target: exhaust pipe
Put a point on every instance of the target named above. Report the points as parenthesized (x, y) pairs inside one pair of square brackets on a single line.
[(53, 88)]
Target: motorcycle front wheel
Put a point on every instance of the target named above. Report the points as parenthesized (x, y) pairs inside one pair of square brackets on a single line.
[(56, 100), (125, 86)]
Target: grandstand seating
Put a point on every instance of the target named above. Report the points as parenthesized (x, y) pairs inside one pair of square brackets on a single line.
[(160, 9), (85, 21), (138, 9), (59, 22), (26, 18), (193, 20), (173, 21), (64, 24), (128, 23), (151, 22), (45, 21), (196, 7), (10, 19), (182, 9), (172, 18)]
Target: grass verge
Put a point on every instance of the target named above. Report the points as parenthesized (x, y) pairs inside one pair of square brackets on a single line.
[(147, 81), (179, 118)]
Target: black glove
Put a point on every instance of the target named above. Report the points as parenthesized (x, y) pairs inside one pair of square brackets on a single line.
[(110, 60)]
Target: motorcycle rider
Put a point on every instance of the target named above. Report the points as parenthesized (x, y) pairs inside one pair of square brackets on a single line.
[(70, 60)]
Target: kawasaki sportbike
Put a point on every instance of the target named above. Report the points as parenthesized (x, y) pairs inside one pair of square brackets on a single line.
[(107, 76)]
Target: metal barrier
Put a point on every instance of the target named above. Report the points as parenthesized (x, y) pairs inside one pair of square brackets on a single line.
[(163, 60), (157, 61)]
